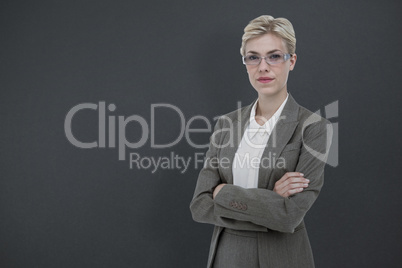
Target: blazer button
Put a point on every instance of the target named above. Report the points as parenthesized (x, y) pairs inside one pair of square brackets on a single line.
[(235, 205), (244, 207)]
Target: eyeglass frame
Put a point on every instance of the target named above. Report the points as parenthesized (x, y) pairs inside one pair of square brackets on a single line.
[(286, 56)]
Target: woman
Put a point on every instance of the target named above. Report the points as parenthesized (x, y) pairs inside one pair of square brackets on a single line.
[(265, 163)]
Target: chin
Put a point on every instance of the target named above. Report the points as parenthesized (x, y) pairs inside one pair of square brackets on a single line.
[(268, 92)]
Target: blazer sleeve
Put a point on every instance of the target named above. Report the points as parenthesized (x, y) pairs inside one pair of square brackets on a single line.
[(266, 208), (203, 207)]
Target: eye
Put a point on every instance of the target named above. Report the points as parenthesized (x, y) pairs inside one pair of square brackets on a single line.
[(275, 56), (252, 58)]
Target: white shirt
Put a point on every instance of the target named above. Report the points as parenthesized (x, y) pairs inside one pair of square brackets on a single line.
[(248, 156)]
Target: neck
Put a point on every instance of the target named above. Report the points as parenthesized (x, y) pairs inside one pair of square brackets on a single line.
[(267, 106)]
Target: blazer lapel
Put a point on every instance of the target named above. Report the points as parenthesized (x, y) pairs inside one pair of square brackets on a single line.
[(239, 126), (278, 139)]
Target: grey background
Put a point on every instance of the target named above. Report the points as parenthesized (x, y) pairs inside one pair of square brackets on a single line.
[(61, 206)]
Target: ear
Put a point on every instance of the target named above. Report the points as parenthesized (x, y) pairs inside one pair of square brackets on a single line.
[(292, 62)]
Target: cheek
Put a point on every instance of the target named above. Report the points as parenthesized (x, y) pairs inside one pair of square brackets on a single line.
[(251, 78), (282, 73), (250, 72)]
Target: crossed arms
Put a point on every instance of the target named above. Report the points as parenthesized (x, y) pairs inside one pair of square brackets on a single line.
[(282, 208)]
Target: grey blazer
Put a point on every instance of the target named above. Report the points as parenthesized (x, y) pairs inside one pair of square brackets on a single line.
[(299, 142)]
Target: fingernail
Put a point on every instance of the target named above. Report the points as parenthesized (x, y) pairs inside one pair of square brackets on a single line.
[(305, 184), (301, 189), (301, 174), (308, 180)]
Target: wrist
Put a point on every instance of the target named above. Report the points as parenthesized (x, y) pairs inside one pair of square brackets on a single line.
[(218, 189)]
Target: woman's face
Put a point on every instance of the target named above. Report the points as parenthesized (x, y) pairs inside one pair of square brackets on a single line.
[(269, 80)]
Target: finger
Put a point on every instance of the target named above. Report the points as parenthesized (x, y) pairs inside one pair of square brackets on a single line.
[(290, 181), (297, 185), (293, 186), (285, 179), (294, 191), (297, 180), (289, 175), (294, 174)]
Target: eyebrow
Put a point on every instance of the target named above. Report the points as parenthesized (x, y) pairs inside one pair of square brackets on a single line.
[(253, 52)]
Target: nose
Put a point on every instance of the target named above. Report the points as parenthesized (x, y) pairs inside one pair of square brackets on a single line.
[(263, 66)]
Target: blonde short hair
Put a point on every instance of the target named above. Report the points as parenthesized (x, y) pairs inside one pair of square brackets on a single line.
[(265, 24)]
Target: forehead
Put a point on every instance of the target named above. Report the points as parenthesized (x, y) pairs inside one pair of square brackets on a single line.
[(265, 43)]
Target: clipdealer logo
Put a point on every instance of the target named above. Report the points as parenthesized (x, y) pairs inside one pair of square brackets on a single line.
[(108, 137)]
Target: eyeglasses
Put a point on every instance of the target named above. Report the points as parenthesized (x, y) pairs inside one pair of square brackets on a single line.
[(271, 58)]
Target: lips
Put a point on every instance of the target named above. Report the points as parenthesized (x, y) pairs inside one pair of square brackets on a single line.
[(265, 79)]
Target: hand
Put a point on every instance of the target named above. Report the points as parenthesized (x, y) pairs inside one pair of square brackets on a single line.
[(217, 189), (291, 183)]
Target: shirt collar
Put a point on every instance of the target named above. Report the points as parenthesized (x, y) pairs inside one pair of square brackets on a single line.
[(267, 128)]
